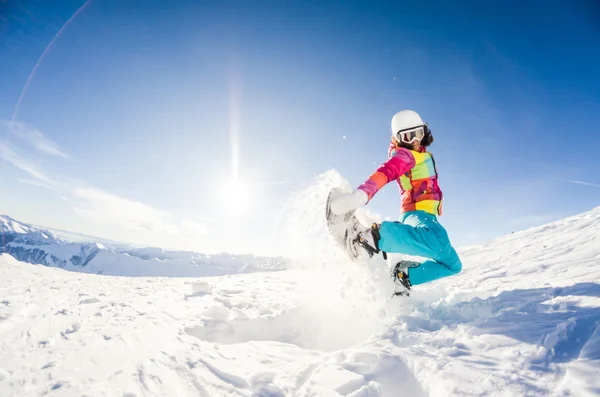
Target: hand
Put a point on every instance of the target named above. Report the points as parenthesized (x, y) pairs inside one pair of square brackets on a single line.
[(349, 202)]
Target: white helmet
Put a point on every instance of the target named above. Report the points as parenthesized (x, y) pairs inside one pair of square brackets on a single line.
[(408, 121)]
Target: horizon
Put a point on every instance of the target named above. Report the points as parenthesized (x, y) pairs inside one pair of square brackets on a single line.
[(100, 239), (146, 123)]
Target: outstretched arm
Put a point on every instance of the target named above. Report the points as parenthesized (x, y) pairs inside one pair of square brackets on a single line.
[(400, 163)]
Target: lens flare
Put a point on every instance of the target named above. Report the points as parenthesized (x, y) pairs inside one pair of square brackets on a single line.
[(234, 132), (39, 61)]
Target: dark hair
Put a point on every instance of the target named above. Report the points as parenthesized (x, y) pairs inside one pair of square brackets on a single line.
[(427, 139)]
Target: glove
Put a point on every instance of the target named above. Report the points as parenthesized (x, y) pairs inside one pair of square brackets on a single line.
[(349, 202)]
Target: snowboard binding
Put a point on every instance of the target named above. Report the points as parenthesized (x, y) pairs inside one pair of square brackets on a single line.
[(400, 278), (350, 233), (372, 247)]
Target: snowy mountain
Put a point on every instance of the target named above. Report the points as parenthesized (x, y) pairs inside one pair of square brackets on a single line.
[(12, 227), (31, 244), (522, 319)]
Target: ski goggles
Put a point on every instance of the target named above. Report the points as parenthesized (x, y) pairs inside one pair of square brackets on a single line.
[(411, 135)]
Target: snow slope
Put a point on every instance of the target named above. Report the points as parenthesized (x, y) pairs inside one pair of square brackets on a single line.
[(522, 319)]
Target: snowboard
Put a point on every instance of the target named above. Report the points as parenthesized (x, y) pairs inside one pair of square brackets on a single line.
[(342, 226)]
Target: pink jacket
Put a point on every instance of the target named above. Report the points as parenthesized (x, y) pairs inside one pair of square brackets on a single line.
[(416, 175)]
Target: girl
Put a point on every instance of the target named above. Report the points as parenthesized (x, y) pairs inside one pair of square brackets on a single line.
[(418, 232)]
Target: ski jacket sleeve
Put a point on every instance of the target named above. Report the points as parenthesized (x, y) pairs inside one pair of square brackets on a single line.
[(399, 163)]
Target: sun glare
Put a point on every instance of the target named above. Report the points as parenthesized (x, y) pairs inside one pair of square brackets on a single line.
[(235, 196)]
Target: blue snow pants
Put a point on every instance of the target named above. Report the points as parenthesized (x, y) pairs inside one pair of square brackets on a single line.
[(418, 233)]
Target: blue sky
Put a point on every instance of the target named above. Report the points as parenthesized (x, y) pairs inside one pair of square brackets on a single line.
[(124, 129)]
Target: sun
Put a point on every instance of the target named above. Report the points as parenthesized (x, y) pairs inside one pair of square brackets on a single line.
[(235, 197)]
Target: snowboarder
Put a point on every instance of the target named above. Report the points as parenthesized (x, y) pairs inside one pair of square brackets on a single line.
[(418, 231)]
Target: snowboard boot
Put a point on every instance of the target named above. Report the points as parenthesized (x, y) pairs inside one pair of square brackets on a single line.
[(406, 264), (359, 239), (400, 277)]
